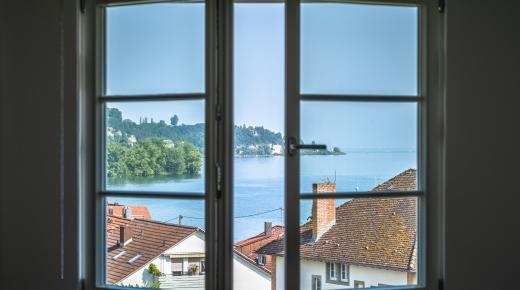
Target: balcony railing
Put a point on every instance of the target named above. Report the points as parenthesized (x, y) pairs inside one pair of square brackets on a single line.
[(188, 282)]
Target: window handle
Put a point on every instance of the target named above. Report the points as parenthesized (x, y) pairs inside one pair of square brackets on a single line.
[(294, 146)]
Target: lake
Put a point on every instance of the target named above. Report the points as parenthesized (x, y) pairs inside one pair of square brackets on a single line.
[(259, 186)]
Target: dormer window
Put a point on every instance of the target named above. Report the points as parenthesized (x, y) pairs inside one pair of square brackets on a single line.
[(261, 260)]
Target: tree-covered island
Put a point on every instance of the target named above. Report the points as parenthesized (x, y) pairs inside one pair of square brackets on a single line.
[(150, 148)]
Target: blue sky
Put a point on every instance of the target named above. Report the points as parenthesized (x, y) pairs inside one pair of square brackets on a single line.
[(346, 49)]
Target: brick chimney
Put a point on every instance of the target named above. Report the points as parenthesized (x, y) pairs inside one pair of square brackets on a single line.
[(323, 210), (268, 228), (125, 235)]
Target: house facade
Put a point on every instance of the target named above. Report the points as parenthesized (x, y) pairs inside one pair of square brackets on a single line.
[(364, 242), (176, 251)]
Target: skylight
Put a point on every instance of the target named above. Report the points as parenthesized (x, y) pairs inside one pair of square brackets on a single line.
[(119, 255), (135, 258)]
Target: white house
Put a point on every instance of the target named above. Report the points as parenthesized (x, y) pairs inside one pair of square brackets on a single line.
[(276, 149), (364, 242), (248, 274), (177, 251)]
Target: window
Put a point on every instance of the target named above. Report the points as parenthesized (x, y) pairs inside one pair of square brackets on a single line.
[(344, 272), (177, 267), (152, 153), (316, 282), (300, 140), (202, 267), (261, 259), (357, 97), (331, 267)]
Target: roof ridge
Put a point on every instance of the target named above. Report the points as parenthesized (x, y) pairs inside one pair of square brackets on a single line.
[(156, 222), (254, 238)]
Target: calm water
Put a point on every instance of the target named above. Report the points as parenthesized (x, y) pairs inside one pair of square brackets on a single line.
[(259, 183)]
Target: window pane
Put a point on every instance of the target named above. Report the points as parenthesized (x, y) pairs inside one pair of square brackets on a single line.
[(359, 49), (155, 146), (155, 243), (374, 237), (155, 49), (367, 143), (258, 187)]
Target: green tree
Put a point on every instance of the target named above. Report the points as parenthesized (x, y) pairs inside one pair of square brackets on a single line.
[(174, 120), (175, 162), (153, 157), (115, 118), (193, 159)]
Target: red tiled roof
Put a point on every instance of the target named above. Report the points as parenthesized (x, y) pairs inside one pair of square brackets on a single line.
[(378, 232), (249, 246), (277, 231), (150, 238), (138, 211)]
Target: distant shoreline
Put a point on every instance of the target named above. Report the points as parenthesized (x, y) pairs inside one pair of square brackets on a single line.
[(281, 155)]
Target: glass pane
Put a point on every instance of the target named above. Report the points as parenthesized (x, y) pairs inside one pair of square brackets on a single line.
[(155, 243), (258, 145), (359, 49), (155, 49), (155, 146), (363, 242), (367, 143)]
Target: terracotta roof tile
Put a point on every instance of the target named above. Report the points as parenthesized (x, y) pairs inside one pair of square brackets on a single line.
[(277, 230), (249, 246)]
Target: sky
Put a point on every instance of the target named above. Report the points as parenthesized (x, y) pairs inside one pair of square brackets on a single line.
[(345, 49)]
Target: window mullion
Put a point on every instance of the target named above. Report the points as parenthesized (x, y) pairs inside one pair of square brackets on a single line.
[(292, 130)]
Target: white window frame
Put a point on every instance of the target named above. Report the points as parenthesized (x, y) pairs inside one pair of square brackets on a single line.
[(94, 34), (331, 270), (344, 272), (430, 152), (261, 260), (316, 282)]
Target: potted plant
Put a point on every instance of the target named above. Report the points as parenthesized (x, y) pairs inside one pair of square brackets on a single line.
[(194, 269)]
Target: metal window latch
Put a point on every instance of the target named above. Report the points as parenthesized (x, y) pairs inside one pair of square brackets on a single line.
[(293, 146), (441, 6)]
